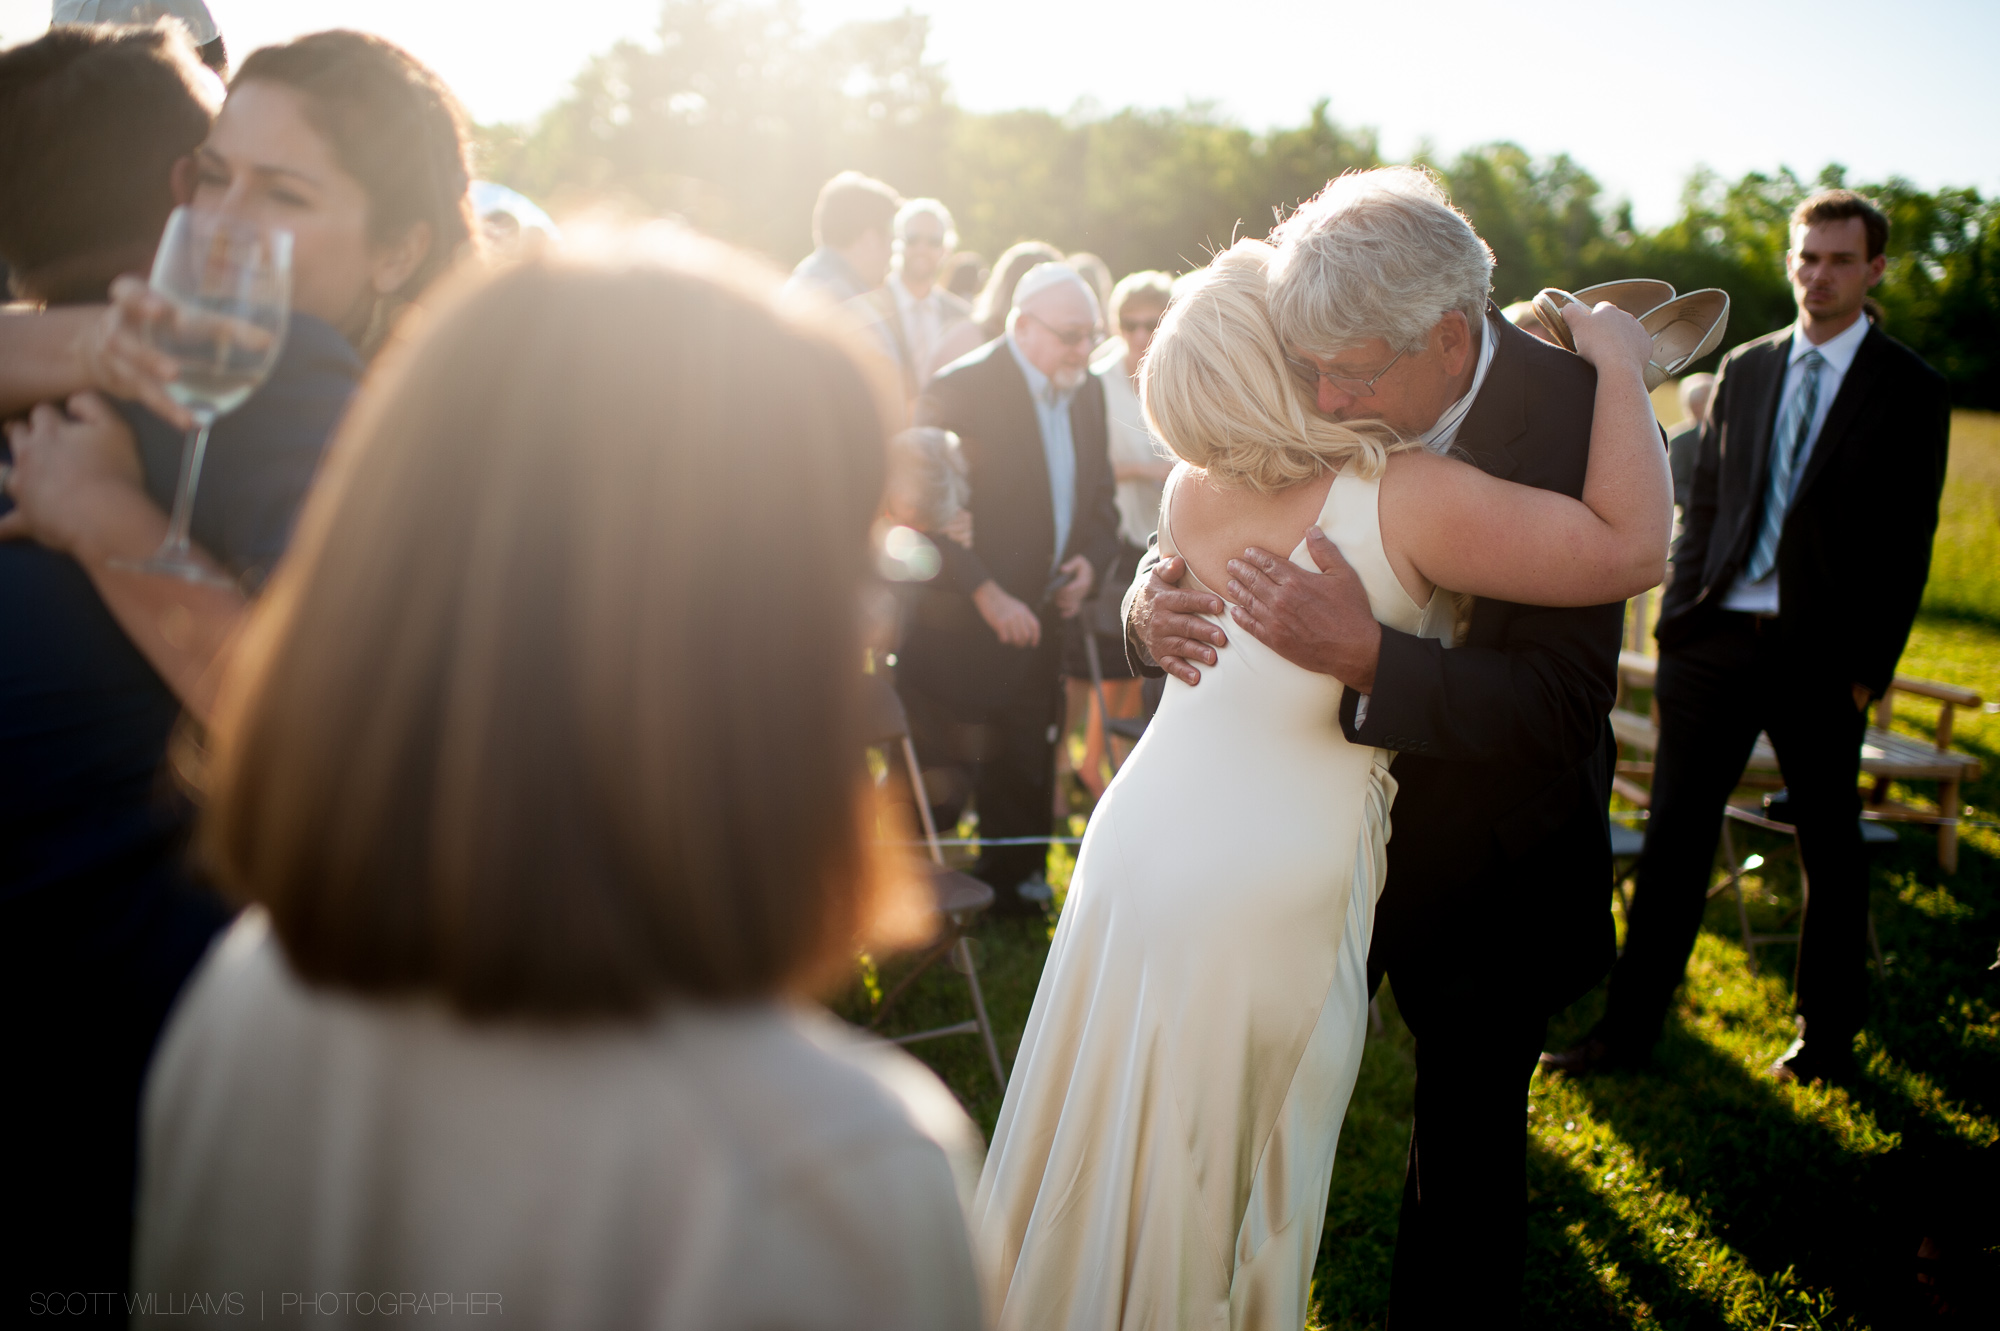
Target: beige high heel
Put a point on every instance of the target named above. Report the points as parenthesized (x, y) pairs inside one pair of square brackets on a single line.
[(1548, 305), (1634, 295), (1683, 329)]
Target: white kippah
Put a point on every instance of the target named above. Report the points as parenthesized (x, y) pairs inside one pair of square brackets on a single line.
[(1046, 275)]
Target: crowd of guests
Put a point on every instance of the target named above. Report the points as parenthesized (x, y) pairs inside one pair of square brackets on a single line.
[(460, 774), (1016, 644), (457, 773)]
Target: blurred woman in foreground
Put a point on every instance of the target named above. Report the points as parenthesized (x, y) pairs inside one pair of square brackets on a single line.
[(499, 762)]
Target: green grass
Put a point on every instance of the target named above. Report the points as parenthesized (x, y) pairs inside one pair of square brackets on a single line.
[(1697, 1194), (1965, 561)]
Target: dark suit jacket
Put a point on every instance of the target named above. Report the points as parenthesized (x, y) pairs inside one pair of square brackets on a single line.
[(948, 650), (1499, 855), (1856, 544)]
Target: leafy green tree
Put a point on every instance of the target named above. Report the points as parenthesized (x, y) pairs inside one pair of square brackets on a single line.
[(737, 114)]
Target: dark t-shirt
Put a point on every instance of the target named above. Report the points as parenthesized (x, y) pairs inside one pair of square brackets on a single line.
[(84, 719)]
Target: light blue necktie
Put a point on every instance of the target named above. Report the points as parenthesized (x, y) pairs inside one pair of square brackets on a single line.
[(1788, 441)]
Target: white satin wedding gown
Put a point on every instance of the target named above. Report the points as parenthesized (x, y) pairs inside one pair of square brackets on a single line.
[(1164, 1151)]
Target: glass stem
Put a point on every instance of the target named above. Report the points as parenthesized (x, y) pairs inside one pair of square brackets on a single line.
[(177, 544)]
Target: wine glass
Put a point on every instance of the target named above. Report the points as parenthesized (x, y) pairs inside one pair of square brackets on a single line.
[(228, 288)]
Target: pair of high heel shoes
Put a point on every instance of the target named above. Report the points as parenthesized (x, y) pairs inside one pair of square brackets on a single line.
[(1683, 328)]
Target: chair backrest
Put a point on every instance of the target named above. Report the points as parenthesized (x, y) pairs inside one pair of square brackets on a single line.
[(1947, 696)]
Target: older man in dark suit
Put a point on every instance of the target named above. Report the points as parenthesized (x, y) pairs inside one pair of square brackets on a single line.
[(1807, 543), (1495, 912), (981, 663)]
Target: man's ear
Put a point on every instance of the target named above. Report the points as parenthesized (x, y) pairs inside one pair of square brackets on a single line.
[(394, 261), (1454, 340), (1876, 267)]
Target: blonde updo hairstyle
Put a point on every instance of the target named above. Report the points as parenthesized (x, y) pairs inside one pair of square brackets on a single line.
[(1217, 391)]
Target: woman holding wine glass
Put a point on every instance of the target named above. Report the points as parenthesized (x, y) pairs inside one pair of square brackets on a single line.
[(348, 145), (355, 150)]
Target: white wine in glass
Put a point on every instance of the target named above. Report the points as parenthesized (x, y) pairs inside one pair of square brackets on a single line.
[(228, 286)]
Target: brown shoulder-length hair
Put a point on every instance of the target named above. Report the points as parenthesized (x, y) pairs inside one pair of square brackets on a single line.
[(397, 129), (551, 711)]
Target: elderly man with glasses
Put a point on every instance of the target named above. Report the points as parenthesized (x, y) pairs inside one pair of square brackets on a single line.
[(910, 314), (1495, 914), (980, 667)]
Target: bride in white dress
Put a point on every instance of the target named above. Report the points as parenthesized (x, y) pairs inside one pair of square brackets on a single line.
[(1163, 1155)]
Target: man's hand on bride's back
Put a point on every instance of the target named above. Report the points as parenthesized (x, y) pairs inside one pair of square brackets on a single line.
[(1168, 622), (1318, 621)]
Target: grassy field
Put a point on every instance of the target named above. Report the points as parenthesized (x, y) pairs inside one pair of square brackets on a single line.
[(1965, 561), (1697, 1193)]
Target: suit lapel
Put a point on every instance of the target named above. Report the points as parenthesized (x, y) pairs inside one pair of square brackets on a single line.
[(1855, 386), (1768, 391), (1499, 415)]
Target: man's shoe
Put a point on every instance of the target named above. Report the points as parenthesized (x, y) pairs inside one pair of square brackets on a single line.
[(1802, 1065), (1590, 1055)]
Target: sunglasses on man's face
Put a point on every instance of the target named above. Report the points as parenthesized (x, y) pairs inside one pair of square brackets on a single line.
[(1132, 326)]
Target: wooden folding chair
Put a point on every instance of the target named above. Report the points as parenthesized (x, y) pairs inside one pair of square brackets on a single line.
[(960, 897), (1886, 755)]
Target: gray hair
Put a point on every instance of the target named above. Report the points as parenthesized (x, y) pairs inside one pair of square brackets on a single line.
[(927, 208), (1378, 253), (1215, 388), (1155, 286)]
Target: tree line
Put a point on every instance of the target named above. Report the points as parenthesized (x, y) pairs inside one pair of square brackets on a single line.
[(738, 114)]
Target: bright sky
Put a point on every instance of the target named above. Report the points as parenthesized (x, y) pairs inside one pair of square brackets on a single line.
[(1639, 94)]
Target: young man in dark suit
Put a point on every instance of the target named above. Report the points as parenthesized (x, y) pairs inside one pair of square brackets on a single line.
[(1495, 913), (1807, 542), (980, 666)]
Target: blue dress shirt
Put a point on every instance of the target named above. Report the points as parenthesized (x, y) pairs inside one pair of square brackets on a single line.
[(1058, 445)]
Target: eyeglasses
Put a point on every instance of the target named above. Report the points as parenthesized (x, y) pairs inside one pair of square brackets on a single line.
[(1310, 375), (1140, 325), (1072, 337), (928, 240)]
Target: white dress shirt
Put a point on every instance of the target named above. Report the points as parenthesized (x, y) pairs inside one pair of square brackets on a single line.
[(1439, 439), (1838, 351), (923, 326)]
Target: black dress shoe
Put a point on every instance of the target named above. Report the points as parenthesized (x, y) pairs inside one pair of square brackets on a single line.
[(1589, 1055), (1801, 1065)]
